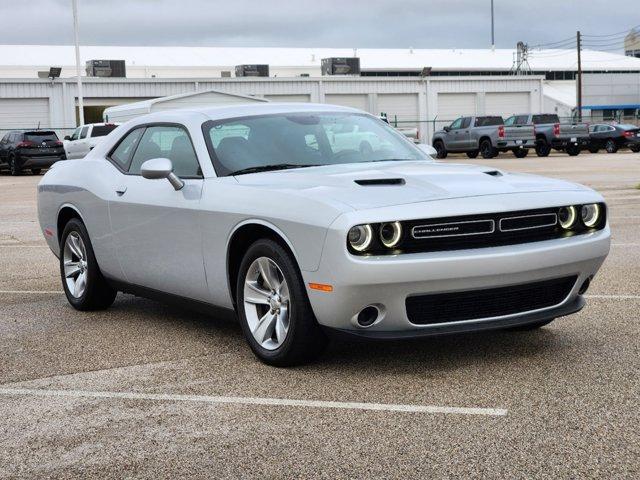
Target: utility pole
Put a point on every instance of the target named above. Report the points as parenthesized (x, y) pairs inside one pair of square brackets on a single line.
[(493, 36), (579, 79), (76, 36)]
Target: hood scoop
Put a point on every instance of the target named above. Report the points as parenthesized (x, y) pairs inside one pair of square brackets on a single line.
[(367, 182)]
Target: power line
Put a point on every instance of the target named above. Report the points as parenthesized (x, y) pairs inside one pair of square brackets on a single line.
[(625, 32)]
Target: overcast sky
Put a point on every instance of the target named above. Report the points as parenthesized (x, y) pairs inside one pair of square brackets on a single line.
[(313, 23)]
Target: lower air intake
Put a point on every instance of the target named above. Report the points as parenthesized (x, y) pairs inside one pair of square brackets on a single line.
[(494, 302)]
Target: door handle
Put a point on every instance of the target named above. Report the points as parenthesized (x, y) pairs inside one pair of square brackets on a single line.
[(121, 191)]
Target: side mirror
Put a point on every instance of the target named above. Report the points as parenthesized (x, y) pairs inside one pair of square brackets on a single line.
[(428, 149), (158, 168), (67, 137), (447, 129)]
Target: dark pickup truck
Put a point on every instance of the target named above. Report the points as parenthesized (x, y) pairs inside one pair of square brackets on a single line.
[(551, 134)]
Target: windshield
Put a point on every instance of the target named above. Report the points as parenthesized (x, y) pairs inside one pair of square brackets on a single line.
[(304, 139), (102, 130)]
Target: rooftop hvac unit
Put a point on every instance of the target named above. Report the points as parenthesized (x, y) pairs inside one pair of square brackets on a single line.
[(106, 68), (252, 70), (340, 66)]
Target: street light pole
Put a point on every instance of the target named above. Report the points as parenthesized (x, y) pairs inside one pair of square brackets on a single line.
[(493, 37), (76, 36)]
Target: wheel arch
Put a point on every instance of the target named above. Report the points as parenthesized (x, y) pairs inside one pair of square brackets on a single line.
[(65, 213), (483, 138), (242, 236)]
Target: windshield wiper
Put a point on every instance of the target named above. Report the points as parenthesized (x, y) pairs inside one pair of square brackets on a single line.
[(266, 168)]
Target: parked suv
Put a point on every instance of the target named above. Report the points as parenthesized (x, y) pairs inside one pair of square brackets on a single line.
[(552, 134), (30, 150), (614, 137), (85, 137), (483, 135)]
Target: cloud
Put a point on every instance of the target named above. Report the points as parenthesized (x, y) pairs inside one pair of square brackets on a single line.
[(309, 23)]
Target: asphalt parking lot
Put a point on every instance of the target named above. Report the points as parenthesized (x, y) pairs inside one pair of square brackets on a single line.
[(146, 390)]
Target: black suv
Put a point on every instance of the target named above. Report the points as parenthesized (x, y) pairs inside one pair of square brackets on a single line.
[(33, 150)]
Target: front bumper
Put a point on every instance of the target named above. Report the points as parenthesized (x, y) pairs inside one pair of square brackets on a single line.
[(386, 281)]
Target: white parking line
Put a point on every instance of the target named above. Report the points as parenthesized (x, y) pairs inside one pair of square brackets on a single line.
[(282, 402)]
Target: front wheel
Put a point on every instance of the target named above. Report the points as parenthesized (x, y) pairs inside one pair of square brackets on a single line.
[(543, 149), (13, 166), (572, 150), (473, 153), (520, 152), (611, 146), (594, 149), (441, 151), (273, 308), (83, 283)]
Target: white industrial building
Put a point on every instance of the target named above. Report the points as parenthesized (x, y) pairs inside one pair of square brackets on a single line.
[(425, 88)]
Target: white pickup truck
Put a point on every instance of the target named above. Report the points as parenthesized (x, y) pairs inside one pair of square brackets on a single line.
[(85, 137)]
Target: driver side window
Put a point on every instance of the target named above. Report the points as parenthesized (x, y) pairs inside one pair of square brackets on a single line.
[(172, 142), (76, 134), (456, 124)]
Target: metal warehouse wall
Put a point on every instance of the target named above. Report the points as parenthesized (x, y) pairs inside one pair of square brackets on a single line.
[(611, 89), (400, 98)]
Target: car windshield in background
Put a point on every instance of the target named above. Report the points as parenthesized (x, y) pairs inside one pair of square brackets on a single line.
[(39, 137), (102, 130), (297, 140), (489, 121), (543, 119)]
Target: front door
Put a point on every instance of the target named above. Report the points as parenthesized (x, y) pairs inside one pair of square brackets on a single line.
[(155, 228)]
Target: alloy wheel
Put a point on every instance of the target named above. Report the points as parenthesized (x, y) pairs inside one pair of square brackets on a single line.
[(266, 303), (76, 268)]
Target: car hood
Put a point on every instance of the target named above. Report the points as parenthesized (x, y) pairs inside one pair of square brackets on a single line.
[(382, 184)]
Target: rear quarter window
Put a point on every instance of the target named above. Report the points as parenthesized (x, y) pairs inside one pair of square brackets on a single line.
[(102, 130)]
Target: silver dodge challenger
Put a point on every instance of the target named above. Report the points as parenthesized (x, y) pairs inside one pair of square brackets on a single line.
[(311, 220)]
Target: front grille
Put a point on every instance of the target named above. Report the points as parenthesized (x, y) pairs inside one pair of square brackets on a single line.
[(494, 302)]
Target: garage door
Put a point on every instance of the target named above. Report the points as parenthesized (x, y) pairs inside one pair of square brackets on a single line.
[(351, 100), (24, 113), (288, 98), (454, 105), (507, 103), (403, 107)]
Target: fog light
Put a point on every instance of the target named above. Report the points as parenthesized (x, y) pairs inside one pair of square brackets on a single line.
[(590, 214), (390, 234), (567, 217), (360, 237)]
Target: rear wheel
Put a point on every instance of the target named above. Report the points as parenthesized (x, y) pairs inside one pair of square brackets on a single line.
[(13, 166), (273, 308), (543, 149), (520, 152), (594, 149), (473, 154), (441, 151), (487, 150), (572, 150), (36, 171), (635, 148), (83, 283), (611, 146)]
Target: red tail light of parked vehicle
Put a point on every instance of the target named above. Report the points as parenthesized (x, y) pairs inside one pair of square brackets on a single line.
[(501, 131), (556, 129), (630, 133), (25, 144)]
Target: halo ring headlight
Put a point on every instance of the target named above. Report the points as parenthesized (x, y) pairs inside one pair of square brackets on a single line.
[(360, 237), (390, 234), (567, 217), (590, 214)]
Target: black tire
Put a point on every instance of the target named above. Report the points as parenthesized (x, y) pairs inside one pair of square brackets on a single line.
[(594, 149), (531, 326), (441, 151), (611, 146), (304, 340), (572, 150), (13, 166), (635, 148), (36, 171), (543, 149), (487, 150), (473, 154), (520, 152), (98, 294)]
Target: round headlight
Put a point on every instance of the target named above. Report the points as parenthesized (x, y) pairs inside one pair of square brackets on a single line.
[(390, 234), (360, 237), (567, 217), (590, 214)]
